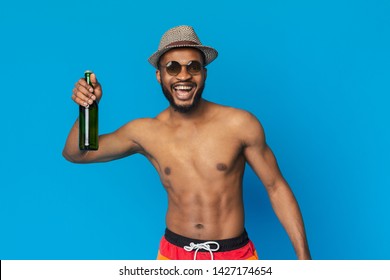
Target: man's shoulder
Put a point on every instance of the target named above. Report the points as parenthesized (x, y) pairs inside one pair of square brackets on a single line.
[(142, 124), (235, 115), (242, 123), (142, 121)]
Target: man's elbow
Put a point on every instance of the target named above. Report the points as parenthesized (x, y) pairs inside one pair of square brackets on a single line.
[(271, 188), (70, 158), (276, 185)]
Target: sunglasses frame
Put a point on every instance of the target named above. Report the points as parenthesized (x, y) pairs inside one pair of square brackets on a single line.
[(188, 65)]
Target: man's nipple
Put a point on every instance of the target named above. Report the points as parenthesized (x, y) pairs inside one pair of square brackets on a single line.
[(221, 166)]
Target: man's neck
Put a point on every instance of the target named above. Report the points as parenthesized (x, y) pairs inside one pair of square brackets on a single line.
[(195, 115)]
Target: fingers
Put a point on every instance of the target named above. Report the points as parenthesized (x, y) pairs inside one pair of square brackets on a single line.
[(97, 91), (83, 93), (94, 79), (83, 84)]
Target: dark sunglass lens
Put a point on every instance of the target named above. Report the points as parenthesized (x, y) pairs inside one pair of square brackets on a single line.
[(194, 67), (173, 68)]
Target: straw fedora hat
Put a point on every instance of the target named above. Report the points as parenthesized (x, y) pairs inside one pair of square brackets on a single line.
[(181, 37)]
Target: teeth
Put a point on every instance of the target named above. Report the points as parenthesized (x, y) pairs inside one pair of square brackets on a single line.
[(183, 87)]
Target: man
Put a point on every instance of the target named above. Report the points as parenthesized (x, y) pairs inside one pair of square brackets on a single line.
[(199, 150)]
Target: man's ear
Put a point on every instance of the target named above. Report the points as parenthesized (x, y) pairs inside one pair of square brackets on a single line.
[(158, 76), (205, 73)]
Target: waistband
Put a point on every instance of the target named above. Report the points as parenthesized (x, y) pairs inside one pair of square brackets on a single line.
[(224, 244)]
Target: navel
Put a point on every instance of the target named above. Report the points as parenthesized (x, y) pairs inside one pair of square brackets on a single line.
[(221, 166), (167, 170), (199, 226)]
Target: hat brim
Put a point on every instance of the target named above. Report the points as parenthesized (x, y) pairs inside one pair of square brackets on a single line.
[(209, 53)]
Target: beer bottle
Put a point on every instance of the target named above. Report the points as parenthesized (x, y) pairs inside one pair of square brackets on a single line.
[(88, 122)]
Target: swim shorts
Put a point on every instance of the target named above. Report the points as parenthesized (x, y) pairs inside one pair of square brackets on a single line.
[(177, 247)]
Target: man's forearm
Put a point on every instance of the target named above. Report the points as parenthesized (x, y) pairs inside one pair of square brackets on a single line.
[(287, 210)]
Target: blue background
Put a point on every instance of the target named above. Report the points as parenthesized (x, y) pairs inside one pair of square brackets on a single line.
[(316, 74)]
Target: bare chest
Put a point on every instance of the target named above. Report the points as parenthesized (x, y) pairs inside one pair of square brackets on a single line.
[(201, 154)]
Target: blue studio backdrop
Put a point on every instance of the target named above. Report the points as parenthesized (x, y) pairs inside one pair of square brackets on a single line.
[(315, 73)]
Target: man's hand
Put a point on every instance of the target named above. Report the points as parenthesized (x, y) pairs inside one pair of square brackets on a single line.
[(84, 94)]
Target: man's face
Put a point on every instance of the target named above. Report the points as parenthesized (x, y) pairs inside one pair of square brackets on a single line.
[(184, 90)]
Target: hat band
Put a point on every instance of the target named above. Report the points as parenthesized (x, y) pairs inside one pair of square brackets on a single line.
[(179, 43)]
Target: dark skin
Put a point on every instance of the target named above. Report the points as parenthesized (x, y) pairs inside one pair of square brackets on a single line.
[(200, 157)]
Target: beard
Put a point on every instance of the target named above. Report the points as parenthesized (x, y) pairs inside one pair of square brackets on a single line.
[(183, 108)]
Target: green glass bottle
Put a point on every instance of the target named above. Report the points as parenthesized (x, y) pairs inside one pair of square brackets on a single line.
[(88, 123)]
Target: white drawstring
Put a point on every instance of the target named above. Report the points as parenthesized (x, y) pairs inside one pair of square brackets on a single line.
[(205, 246)]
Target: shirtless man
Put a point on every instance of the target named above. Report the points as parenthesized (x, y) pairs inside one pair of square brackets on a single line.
[(199, 149)]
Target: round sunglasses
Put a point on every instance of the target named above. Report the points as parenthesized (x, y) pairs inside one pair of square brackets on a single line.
[(174, 68)]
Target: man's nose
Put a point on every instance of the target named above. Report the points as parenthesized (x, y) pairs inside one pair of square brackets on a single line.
[(184, 74)]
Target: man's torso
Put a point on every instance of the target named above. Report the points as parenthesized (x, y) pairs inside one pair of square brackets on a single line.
[(201, 165)]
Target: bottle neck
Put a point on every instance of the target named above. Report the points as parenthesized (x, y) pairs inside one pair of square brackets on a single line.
[(88, 79)]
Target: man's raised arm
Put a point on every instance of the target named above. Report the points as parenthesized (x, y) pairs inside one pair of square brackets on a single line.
[(111, 146)]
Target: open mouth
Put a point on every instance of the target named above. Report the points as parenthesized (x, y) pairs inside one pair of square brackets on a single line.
[(183, 91)]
